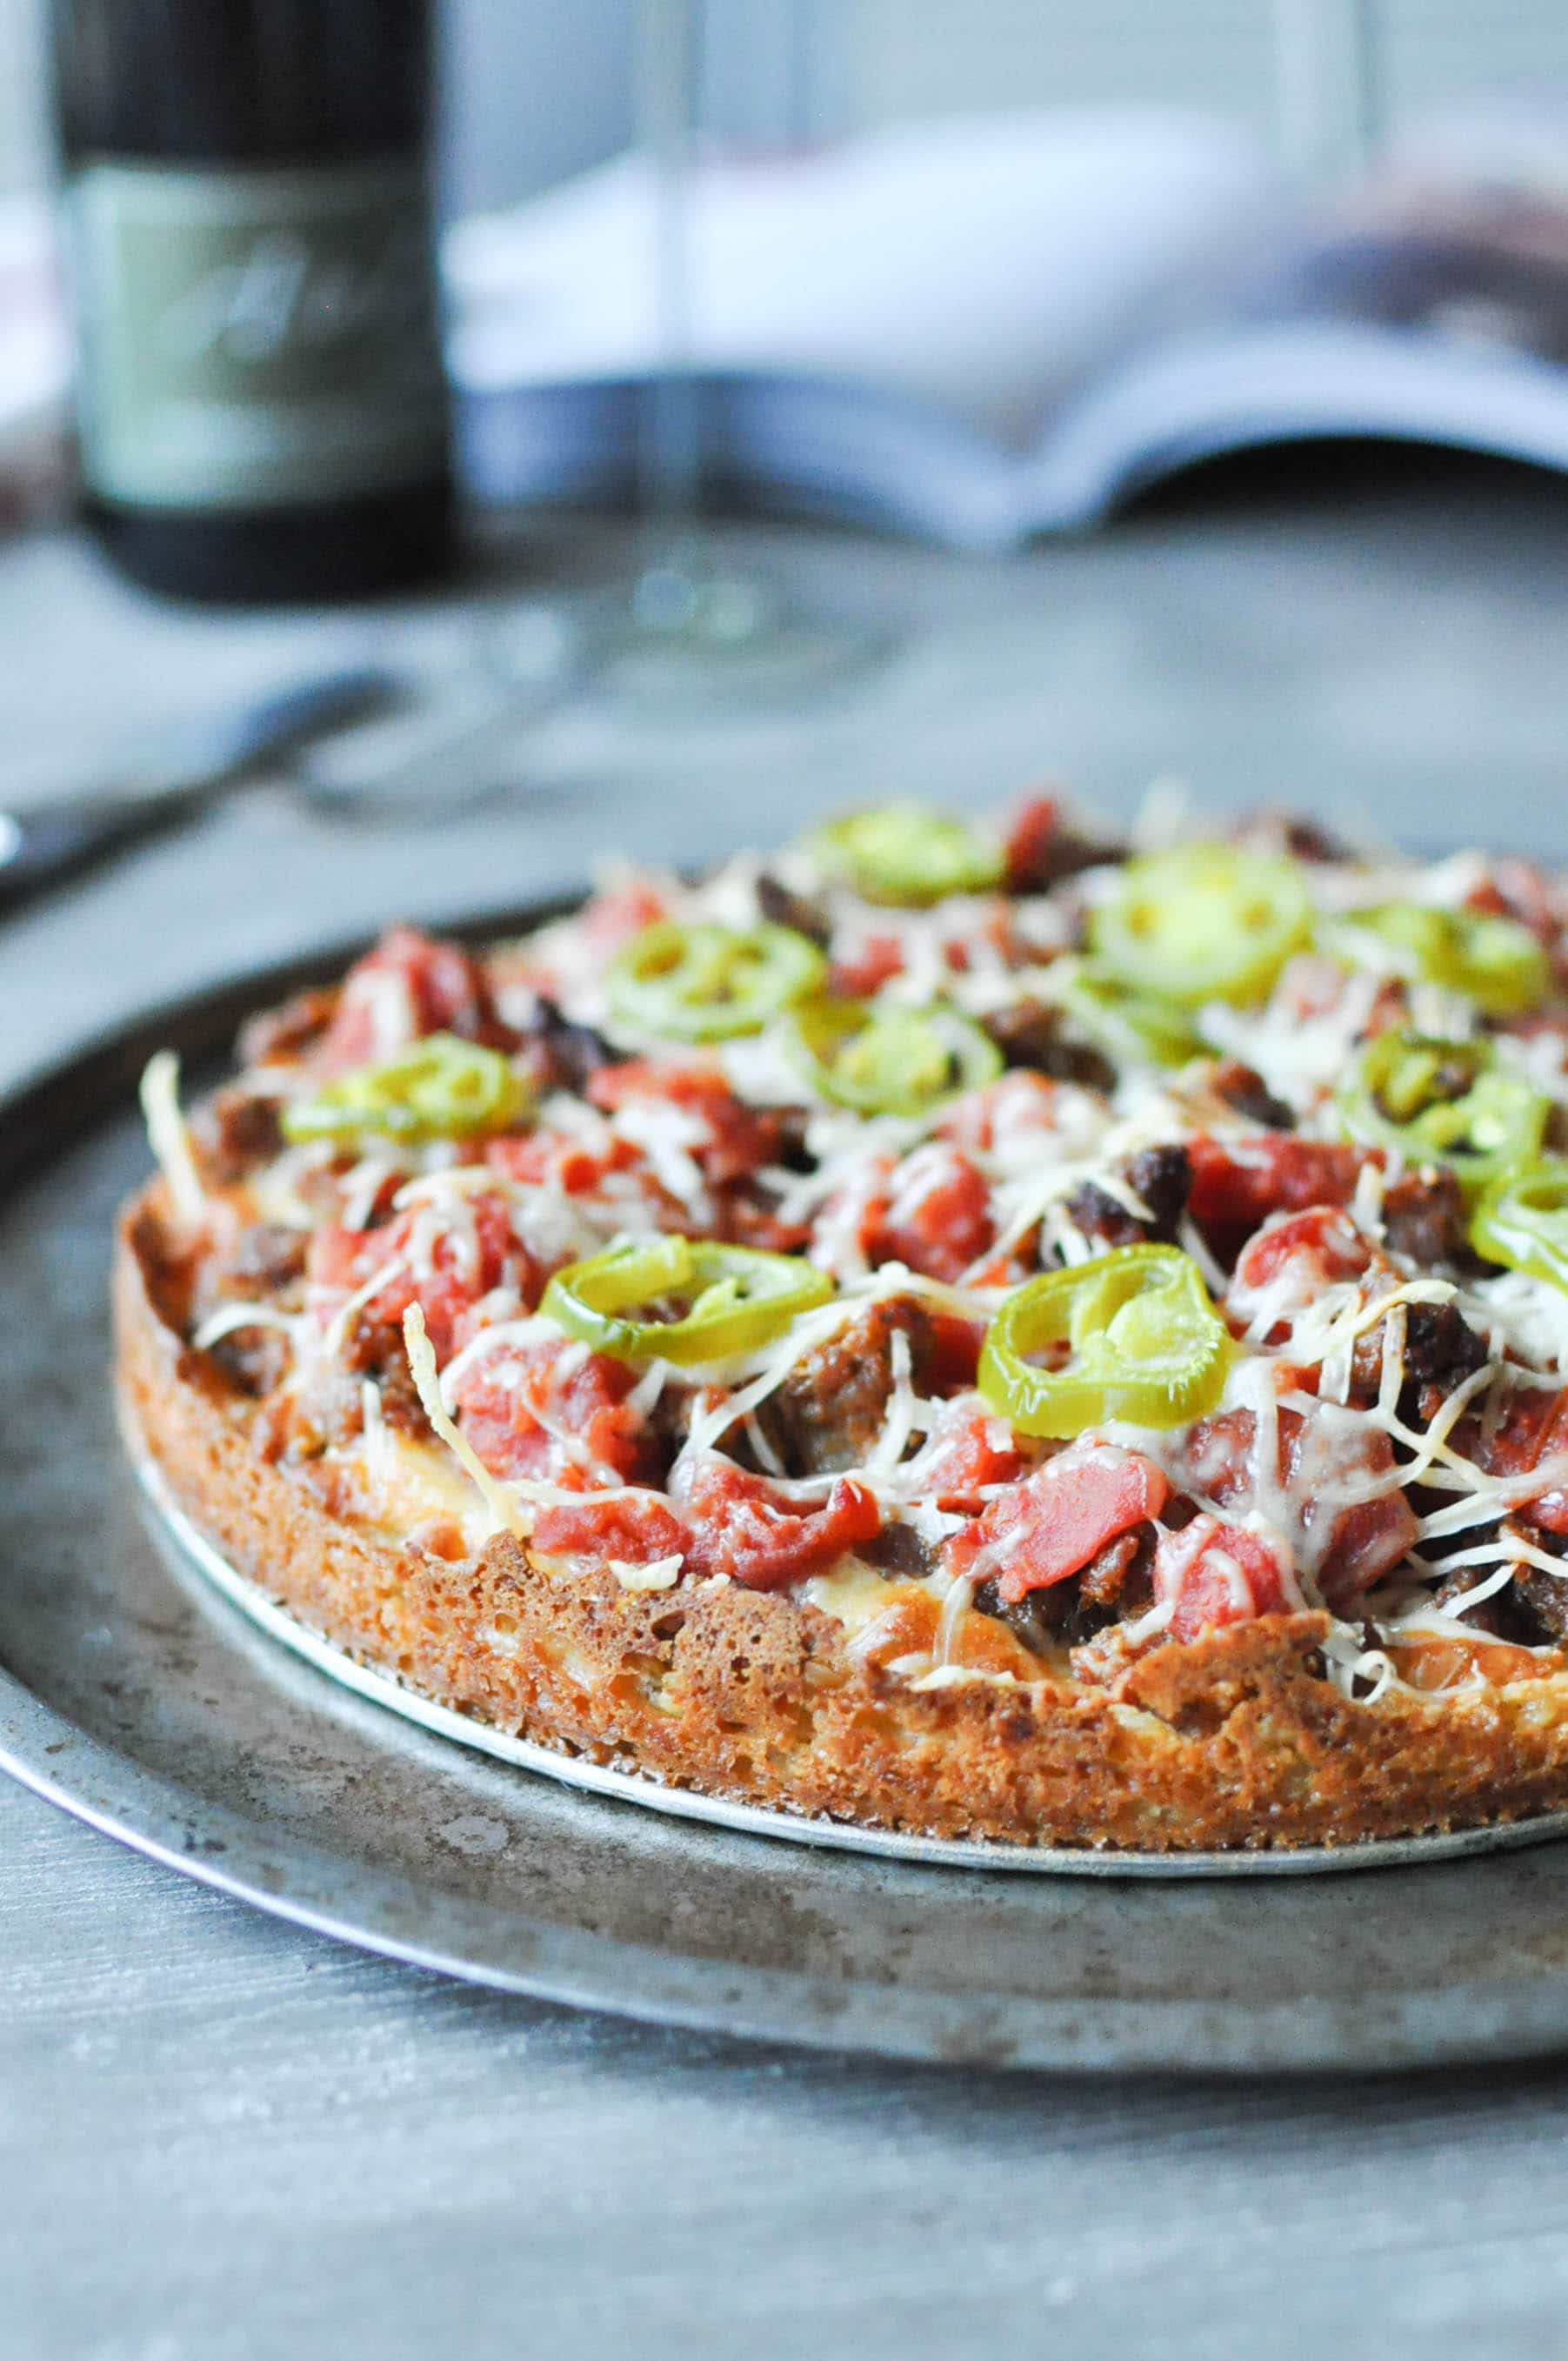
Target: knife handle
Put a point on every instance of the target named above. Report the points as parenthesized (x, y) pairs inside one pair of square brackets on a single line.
[(41, 848), (44, 844)]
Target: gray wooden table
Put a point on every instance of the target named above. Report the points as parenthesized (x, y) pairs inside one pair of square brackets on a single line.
[(221, 2137)]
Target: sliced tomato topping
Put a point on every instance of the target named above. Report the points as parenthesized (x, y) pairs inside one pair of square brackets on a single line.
[(1237, 1184), (937, 1216), (1016, 1106), (1364, 1542), (1214, 1574), (1322, 1245), (637, 1528), (878, 959), (1030, 837), (1051, 1526), (1518, 890), (968, 1450), (734, 1139), (408, 986), (747, 1529), (478, 1254), (558, 1160), (1532, 1431), (551, 1410), (952, 1356), (613, 918)]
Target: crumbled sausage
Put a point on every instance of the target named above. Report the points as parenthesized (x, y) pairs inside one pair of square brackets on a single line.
[(1243, 1088), (236, 1131), (1030, 1033), (899, 1550), (1423, 1218), (282, 1037), (1306, 840), (830, 1409), (266, 1263), (1115, 1585), (263, 1259), (1441, 1351), (780, 907), (1161, 1178), (1530, 1613), (572, 1051)]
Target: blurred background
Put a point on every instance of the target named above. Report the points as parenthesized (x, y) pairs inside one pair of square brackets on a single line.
[(536, 93), (1365, 633)]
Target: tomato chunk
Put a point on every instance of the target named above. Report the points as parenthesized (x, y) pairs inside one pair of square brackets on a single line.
[(745, 1528), (878, 959), (1050, 1527), (730, 1140), (1354, 1547), (408, 986), (549, 1409), (616, 915), (1323, 1247), (1211, 1573), (637, 1528), (1016, 1109), (1532, 1432), (968, 1450), (937, 1216), (1237, 1184), (465, 1262)]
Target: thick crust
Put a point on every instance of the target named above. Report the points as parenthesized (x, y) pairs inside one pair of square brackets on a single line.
[(1228, 1742)]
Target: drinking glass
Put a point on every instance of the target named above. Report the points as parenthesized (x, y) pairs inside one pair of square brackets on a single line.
[(690, 633)]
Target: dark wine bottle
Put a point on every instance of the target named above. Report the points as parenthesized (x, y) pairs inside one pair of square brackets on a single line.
[(262, 407)]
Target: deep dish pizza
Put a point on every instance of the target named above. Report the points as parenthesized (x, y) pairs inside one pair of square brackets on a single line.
[(981, 1330)]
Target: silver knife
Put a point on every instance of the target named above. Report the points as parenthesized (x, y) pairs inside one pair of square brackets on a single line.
[(44, 844)]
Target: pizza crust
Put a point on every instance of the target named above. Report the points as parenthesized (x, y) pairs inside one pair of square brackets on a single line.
[(1226, 1743)]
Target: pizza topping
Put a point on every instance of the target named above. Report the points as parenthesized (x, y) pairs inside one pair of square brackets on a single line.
[(1211, 1574), (407, 988), (1522, 1221), (441, 1088), (1040, 1531), (902, 853), (1132, 1336), (781, 1229), (758, 1534), (1493, 960), (893, 1061), (1452, 1103), (1206, 922), (171, 1139), (707, 983), (717, 1301)]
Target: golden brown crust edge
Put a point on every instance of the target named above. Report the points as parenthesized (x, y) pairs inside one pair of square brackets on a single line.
[(1229, 1742)]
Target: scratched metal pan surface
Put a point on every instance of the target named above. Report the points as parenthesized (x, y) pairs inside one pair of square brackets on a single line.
[(149, 1691)]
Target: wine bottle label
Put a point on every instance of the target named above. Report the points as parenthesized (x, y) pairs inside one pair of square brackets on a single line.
[(256, 338)]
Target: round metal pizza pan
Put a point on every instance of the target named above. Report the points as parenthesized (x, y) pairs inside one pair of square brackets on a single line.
[(145, 1688)]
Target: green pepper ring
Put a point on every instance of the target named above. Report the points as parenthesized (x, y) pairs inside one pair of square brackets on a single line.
[(742, 1298), (1521, 1221), (1511, 1114), (1204, 922), (890, 1060), (439, 1088), (1147, 1345), (711, 983), (904, 854), (1493, 960)]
